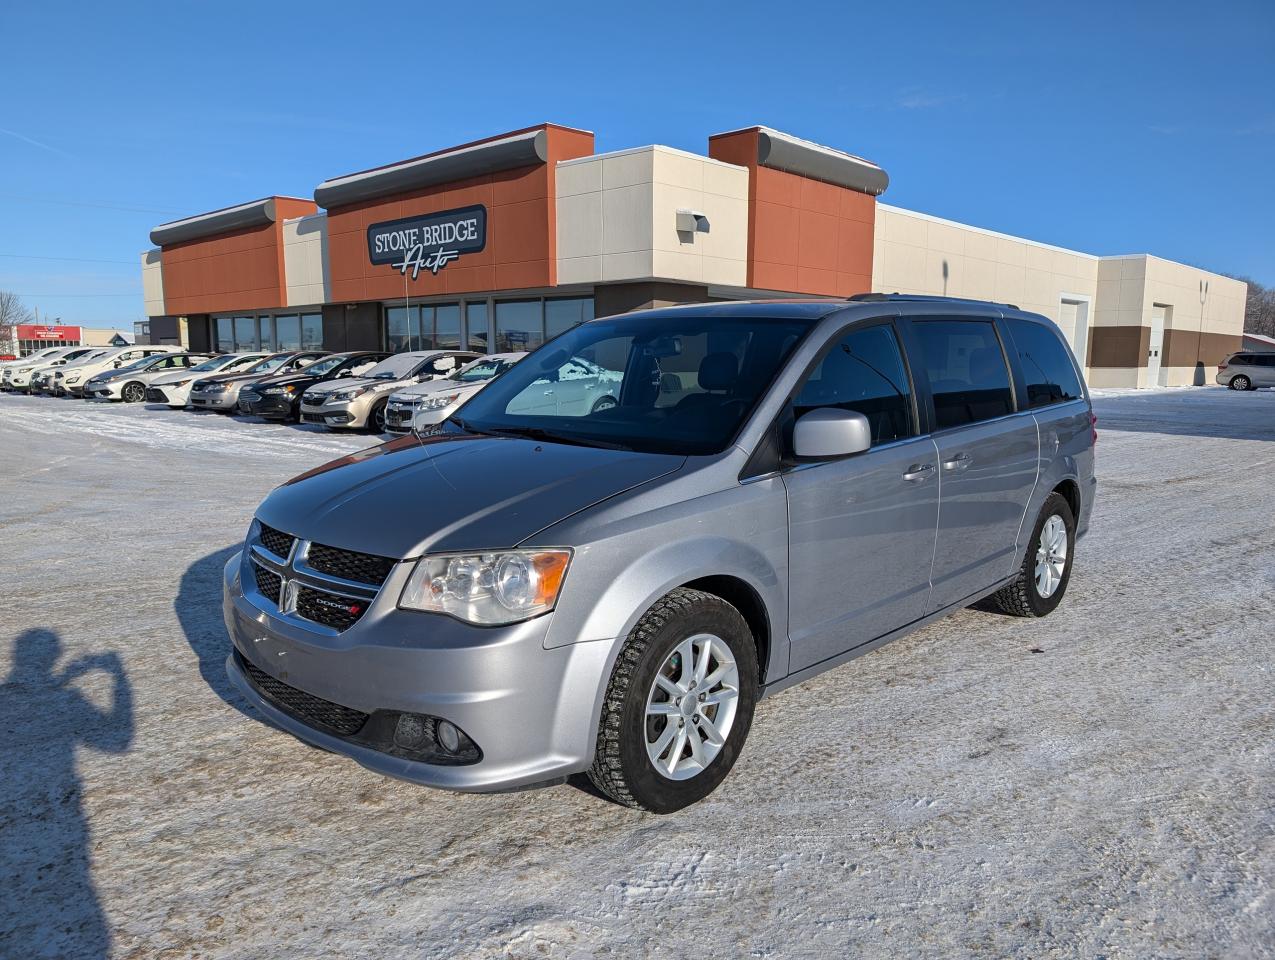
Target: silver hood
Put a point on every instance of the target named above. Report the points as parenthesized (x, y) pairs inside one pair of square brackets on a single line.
[(411, 496)]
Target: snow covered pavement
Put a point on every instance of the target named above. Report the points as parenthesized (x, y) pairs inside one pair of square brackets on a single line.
[(1101, 782)]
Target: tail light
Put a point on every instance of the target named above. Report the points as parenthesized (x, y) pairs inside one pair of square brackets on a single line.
[(1093, 426), (1221, 366)]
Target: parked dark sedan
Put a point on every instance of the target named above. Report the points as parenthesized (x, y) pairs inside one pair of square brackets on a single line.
[(279, 397)]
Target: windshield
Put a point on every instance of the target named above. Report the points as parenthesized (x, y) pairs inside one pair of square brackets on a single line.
[(481, 370), (133, 365), (212, 363), (269, 363), (396, 367), (320, 367), (673, 383)]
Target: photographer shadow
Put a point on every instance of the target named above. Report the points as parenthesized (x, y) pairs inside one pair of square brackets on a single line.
[(50, 906), (198, 609)]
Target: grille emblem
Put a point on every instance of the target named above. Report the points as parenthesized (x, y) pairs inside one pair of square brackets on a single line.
[(288, 597)]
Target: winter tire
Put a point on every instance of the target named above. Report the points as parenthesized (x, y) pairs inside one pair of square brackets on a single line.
[(678, 705), (603, 403), (1046, 570)]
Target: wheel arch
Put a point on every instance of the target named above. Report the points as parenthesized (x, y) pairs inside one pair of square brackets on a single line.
[(740, 595), (1070, 491)]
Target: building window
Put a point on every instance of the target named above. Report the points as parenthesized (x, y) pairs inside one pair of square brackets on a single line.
[(447, 326), (312, 331), (519, 325), (245, 333), (225, 335), (562, 315), (287, 332), (476, 325)]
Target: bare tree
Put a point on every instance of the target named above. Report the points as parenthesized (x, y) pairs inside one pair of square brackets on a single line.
[(12, 312), (1259, 308)]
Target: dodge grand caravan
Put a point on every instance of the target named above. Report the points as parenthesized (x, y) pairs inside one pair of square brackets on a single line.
[(779, 487)]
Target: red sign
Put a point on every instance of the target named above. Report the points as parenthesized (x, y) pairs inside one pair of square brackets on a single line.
[(35, 331)]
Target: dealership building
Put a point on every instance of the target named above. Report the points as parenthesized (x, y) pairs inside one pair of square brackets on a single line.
[(499, 244)]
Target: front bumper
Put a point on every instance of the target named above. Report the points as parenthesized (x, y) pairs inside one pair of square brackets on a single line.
[(102, 391), (532, 711), (274, 406), (338, 414), (170, 394), (227, 400), (399, 417)]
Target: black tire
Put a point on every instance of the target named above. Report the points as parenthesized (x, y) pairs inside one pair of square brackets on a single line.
[(376, 419), (603, 403), (133, 392), (1021, 598), (621, 768), (1240, 382)]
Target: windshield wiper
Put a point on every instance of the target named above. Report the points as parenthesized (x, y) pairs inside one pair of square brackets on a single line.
[(539, 433)]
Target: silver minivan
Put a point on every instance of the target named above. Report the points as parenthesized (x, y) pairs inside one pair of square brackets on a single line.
[(1247, 371), (780, 487)]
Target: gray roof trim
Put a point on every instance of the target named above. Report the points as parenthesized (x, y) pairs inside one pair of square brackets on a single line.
[(506, 153), (782, 151), (255, 213)]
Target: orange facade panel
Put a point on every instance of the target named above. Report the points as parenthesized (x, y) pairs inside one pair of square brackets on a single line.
[(519, 235), (237, 270), (804, 235)]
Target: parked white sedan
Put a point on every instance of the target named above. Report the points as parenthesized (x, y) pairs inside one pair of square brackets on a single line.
[(129, 383), (425, 405), (173, 388), (70, 380)]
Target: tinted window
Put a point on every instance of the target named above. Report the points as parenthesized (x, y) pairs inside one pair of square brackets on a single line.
[(1050, 375), (864, 372), (967, 372), (1266, 359)]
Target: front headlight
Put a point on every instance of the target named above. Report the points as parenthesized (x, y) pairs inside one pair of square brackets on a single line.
[(488, 589), (277, 391), (181, 383), (437, 403), (72, 378), (348, 394)]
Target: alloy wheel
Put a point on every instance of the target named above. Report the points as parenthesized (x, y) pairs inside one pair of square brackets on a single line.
[(133, 393), (1051, 556), (1239, 383), (691, 706)]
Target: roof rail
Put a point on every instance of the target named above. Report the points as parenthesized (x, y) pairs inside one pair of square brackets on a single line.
[(924, 298)]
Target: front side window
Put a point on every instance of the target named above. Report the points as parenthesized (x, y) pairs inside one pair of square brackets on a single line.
[(680, 384), (863, 372), (1051, 377), (969, 380)]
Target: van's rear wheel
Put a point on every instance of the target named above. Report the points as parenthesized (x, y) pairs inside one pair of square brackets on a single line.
[(678, 705), (1042, 579), (1240, 382)]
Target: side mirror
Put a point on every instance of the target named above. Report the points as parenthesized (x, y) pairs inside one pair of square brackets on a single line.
[(830, 432)]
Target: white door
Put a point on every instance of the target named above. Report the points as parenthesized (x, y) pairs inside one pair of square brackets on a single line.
[(1073, 315), (1156, 345)]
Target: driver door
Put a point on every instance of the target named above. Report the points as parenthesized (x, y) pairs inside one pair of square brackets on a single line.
[(861, 528)]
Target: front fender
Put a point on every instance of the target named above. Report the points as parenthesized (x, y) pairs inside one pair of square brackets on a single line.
[(616, 577)]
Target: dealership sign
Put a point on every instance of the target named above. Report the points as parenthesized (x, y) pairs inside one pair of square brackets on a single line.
[(428, 242), (36, 331)]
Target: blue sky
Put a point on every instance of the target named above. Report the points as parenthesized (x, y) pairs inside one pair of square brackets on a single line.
[(1106, 127)]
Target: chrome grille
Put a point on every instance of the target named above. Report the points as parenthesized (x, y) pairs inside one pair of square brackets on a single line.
[(348, 565), (269, 583), (329, 609), (276, 541)]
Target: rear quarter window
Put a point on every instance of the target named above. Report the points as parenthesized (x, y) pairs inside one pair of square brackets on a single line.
[(1047, 368)]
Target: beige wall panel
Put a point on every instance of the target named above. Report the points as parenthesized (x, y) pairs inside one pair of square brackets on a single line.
[(579, 176), (152, 284), (579, 226), (627, 168), (1112, 377), (305, 261)]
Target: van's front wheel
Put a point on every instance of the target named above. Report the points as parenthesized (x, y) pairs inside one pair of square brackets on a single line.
[(678, 705)]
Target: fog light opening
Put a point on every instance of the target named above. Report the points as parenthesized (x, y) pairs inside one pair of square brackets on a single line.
[(448, 736)]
